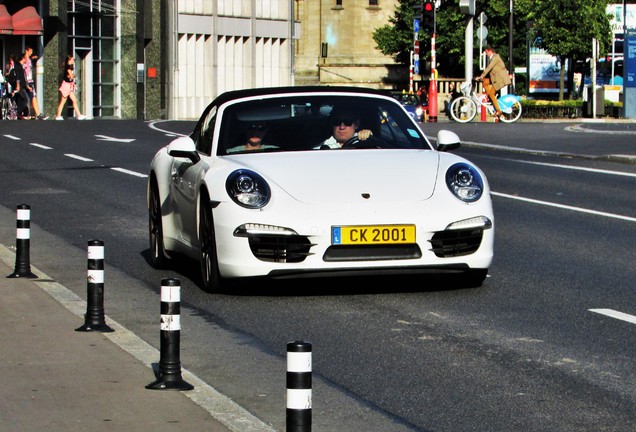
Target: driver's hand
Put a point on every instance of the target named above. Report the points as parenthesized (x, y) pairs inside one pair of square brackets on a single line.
[(478, 78), (364, 134)]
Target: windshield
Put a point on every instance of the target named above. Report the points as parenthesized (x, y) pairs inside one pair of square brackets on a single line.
[(307, 122)]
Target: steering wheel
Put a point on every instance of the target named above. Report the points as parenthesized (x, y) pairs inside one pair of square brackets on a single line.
[(351, 142)]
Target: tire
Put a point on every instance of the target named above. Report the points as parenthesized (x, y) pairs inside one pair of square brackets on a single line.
[(463, 109), (513, 115), (211, 280), (470, 279), (155, 227)]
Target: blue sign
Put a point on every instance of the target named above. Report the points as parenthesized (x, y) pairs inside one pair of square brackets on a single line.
[(416, 25), (630, 62), (416, 66)]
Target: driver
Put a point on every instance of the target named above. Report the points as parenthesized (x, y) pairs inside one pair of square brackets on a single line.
[(345, 125)]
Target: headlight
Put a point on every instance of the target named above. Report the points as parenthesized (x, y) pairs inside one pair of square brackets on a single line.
[(464, 182), (419, 111), (247, 189)]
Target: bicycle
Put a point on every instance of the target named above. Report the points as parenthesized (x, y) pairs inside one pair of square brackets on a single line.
[(464, 108)]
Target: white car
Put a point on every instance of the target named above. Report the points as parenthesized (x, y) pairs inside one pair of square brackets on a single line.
[(389, 204)]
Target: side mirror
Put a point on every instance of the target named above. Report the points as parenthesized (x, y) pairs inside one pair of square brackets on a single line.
[(184, 148), (447, 140)]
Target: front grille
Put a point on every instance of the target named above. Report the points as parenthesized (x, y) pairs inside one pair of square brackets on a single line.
[(275, 248), (453, 243), (372, 253)]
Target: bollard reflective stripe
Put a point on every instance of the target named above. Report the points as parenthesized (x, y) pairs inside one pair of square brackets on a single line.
[(170, 322), (298, 399)]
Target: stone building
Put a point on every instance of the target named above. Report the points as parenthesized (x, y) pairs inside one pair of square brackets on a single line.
[(337, 47), (149, 59)]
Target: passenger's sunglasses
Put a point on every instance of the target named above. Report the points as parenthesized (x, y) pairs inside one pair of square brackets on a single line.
[(345, 121)]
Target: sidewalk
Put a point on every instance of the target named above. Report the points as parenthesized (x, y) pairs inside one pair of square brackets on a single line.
[(61, 380)]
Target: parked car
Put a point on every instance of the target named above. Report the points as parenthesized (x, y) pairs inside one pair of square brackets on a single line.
[(413, 105), (393, 203)]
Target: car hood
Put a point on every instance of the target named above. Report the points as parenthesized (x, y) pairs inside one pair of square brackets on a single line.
[(333, 176)]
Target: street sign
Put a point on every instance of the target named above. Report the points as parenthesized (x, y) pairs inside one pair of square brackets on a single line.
[(416, 66), (482, 33), (416, 25)]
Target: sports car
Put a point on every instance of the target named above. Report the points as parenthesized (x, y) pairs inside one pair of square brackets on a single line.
[(386, 201)]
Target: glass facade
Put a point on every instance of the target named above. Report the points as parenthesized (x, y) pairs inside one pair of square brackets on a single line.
[(93, 39)]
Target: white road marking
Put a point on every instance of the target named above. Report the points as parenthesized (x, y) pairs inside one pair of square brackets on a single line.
[(580, 128), (594, 170), (615, 314), (13, 137), (133, 173), (107, 138), (74, 156), (42, 146), (566, 207)]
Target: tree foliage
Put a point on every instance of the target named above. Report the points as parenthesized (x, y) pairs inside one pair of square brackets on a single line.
[(565, 28)]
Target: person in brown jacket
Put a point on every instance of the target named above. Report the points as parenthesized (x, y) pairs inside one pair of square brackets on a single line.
[(495, 76)]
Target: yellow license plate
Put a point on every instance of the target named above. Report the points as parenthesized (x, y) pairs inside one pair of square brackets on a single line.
[(372, 234)]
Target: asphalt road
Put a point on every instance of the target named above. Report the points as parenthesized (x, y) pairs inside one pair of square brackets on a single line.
[(526, 351)]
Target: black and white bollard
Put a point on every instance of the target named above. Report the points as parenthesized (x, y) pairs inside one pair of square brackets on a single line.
[(94, 318), (22, 244), (298, 386), (169, 374)]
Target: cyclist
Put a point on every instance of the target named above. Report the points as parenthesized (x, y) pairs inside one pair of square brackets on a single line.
[(495, 77)]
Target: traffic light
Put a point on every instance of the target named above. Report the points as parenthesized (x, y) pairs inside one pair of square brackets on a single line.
[(428, 17)]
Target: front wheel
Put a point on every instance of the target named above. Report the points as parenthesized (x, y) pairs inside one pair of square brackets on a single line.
[(463, 109), (512, 113), (155, 227), (211, 280)]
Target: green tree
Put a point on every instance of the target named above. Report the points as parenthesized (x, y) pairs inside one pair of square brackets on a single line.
[(396, 38), (567, 28)]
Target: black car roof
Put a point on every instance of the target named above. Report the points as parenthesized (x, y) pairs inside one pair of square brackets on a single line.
[(263, 91)]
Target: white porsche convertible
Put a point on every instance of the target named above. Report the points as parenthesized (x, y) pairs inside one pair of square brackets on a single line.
[(267, 186)]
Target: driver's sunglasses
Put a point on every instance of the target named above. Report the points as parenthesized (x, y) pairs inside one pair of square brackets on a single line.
[(345, 121)]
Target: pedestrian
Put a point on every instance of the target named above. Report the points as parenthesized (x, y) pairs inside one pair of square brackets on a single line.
[(22, 98), (67, 89), (12, 86), (495, 77), (28, 59)]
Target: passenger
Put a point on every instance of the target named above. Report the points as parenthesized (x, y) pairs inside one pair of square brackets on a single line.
[(253, 139)]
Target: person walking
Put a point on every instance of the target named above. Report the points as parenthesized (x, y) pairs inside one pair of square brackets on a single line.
[(22, 98), (495, 77), (28, 60), (12, 86), (67, 89), (27, 65)]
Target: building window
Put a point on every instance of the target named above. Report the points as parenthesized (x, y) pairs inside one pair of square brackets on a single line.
[(338, 2), (373, 2), (93, 39)]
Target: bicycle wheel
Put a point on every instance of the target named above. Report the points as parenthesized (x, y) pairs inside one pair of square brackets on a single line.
[(463, 109), (512, 114), (4, 108)]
